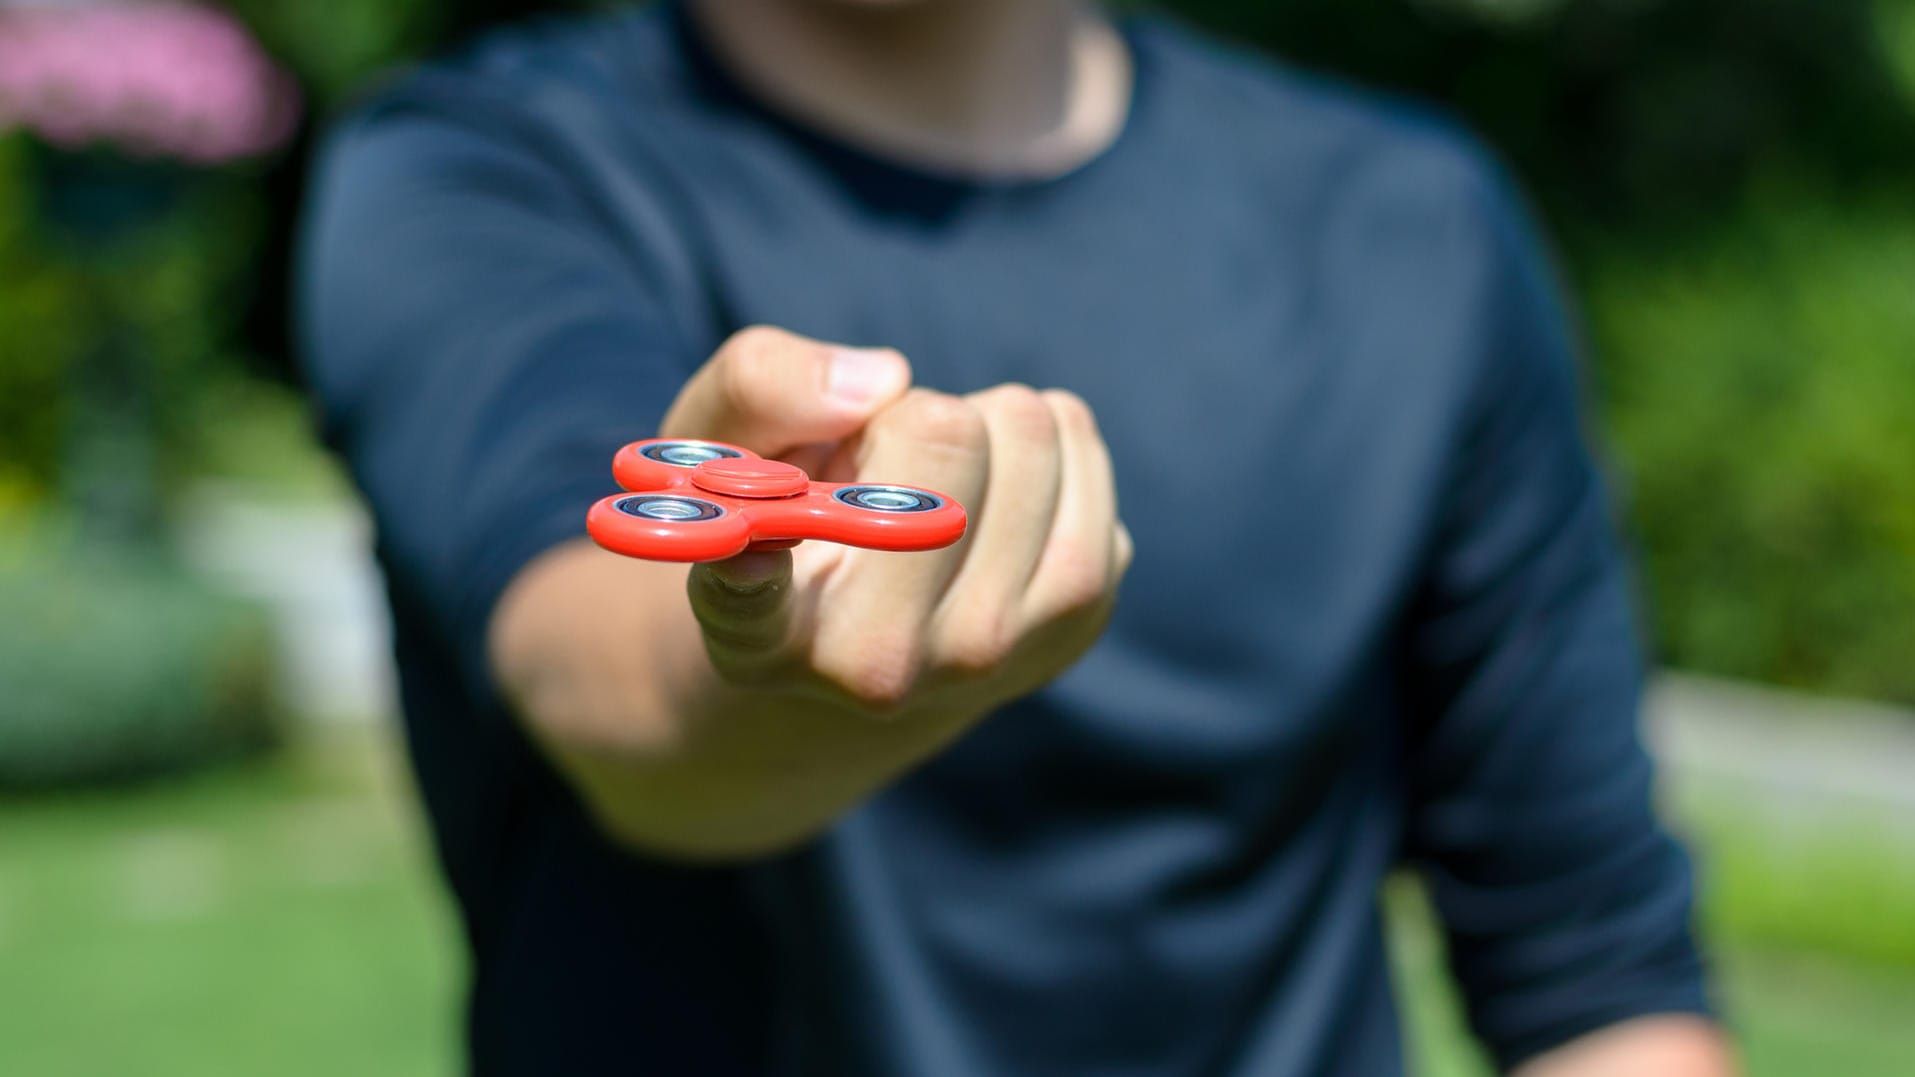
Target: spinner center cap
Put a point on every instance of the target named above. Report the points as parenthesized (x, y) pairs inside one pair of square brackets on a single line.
[(750, 478)]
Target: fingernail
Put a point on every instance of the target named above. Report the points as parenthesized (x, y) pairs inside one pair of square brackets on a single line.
[(861, 375), (749, 573), (740, 585)]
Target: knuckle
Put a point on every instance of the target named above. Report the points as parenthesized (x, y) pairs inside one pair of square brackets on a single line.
[(743, 630), (877, 677), (977, 645), (748, 365), (736, 627), (940, 419), (744, 670), (1070, 409), (744, 659), (1020, 410), (1078, 579), (753, 340)]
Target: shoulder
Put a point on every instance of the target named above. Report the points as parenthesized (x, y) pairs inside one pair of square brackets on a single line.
[(1410, 230), (573, 116), (1345, 152), (545, 81)]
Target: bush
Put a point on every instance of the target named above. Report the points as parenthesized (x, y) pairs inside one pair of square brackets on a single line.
[(140, 323), (1757, 383), (1628, 111), (113, 668)]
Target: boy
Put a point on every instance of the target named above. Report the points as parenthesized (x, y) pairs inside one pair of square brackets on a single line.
[(968, 812)]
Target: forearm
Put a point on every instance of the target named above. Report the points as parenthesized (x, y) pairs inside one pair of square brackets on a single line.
[(602, 659), (1673, 1045)]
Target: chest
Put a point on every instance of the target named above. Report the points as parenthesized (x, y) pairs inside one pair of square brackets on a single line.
[(1271, 466)]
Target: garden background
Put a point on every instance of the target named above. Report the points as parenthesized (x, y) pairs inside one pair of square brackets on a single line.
[(208, 859)]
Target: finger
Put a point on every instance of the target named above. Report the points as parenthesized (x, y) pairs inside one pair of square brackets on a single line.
[(772, 391), (1125, 550), (977, 616), (871, 625), (743, 607), (1082, 552)]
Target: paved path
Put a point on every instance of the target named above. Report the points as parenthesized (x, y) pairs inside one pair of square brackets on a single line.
[(312, 563), (1798, 752)]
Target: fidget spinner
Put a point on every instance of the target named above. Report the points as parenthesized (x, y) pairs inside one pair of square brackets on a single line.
[(706, 501)]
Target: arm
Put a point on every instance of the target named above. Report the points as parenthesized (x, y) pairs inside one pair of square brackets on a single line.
[(1566, 904), (481, 345), (1661, 1046)]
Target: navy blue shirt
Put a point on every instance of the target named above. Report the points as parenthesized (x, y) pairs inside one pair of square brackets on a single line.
[(1377, 616)]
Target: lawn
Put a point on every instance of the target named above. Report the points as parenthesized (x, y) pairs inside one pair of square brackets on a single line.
[(282, 918), (272, 919)]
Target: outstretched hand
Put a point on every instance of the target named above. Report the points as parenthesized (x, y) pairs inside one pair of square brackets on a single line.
[(795, 683), (955, 631)]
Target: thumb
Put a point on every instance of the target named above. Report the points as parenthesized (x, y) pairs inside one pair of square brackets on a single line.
[(743, 607), (771, 391)]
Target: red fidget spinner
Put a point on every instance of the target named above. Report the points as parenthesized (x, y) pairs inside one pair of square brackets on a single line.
[(706, 501)]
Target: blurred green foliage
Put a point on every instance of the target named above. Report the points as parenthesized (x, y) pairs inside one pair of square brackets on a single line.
[(118, 668), (1758, 385), (1727, 179), (175, 283), (1632, 112)]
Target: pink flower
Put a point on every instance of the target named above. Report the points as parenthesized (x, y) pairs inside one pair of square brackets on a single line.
[(164, 78)]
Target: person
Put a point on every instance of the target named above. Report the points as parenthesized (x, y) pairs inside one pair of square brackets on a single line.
[(1086, 792)]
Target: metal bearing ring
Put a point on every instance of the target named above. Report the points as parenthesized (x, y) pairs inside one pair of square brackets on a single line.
[(889, 498), (686, 453), (668, 508)]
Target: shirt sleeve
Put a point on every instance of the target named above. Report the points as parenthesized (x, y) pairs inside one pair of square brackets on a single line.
[(481, 334), (1566, 904)]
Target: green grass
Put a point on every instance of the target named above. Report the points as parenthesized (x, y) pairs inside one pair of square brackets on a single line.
[(1825, 883), (275, 919), (1794, 1013), (283, 918)]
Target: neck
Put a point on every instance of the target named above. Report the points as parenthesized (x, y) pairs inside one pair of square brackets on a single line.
[(985, 87)]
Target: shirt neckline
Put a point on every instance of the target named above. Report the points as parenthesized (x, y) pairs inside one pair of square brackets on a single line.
[(858, 161)]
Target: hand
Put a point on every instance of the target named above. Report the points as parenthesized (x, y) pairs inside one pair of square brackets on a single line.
[(943, 637), (796, 683)]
